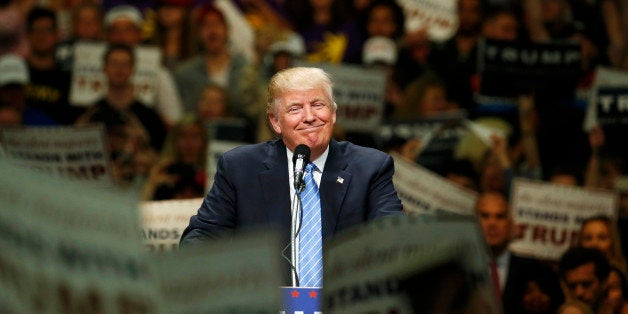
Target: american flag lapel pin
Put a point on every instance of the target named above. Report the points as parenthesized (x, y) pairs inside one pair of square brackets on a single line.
[(340, 180)]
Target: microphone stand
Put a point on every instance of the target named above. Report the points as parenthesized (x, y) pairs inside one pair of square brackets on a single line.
[(295, 226)]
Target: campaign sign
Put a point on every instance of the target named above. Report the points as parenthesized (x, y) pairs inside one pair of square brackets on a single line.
[(301, 300), (359, 93), (549, 216), (238, 275), (607, 108), (424, 192), (89, 83), (66, 247), (610, 77), (404, 264), (73, 152), (608, 80), (612, 106), (438, 17), (438, 135), (163, 222), (425, 128), (509, 69)]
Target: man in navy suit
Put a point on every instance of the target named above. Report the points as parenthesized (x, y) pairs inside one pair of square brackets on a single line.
[(253, 183), (511, 272)]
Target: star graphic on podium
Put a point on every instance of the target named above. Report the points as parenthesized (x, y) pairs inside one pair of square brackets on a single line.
[(294, 293), (313, 294)]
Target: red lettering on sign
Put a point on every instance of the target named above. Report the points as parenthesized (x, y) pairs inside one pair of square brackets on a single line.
[(557, 236)]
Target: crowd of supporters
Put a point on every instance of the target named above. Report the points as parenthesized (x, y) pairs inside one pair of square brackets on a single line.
[(218, 56)]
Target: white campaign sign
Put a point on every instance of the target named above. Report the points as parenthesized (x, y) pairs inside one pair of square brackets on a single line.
[(241, 275), (163, 222), (424, 192), (69, 248), (439, 17), (74, 152), (89, 83), (549, 216), (379, 265)]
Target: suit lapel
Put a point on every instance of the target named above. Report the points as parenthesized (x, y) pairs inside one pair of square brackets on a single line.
[(334, 184), (275, 188)]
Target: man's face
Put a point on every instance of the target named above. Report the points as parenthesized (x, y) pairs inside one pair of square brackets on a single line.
[(213, 33), (382, 22), (492, 213), (501, 27), (43, 36), (88, 24), (124, 31), (434, 102), (118, 68), (583, 284), (304, 117), (212, 105), (469, 16)]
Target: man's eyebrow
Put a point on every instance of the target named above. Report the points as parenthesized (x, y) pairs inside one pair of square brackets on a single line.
[(318, 99)]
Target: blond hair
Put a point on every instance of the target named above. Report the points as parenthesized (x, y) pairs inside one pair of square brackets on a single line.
[(298, 78)]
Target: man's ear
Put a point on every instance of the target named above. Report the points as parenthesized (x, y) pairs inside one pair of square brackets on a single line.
[(274, 122)]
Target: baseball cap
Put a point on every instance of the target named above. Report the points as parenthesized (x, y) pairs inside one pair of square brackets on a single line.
[(293, 45), (379, 49), (124, 12), (13, 70)]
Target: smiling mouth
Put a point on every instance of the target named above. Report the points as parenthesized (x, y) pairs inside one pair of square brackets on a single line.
[(311, 127)]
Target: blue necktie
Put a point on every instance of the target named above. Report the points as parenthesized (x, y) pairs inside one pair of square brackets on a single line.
[(310, 238)]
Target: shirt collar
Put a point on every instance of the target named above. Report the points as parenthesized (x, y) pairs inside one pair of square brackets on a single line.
[(503, 258), (318, 162)]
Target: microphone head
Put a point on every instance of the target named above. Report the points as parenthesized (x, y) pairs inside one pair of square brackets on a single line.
[(301, 151)]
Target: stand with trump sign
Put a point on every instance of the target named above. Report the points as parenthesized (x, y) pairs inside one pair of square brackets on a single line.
[(548, 216)]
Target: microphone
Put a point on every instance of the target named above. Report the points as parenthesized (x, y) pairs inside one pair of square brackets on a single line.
[(300, 158)]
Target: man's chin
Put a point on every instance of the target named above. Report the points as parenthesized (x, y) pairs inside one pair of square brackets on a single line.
[(311, 137)]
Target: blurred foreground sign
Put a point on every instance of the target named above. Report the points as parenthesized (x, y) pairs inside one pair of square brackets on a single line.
[(66, 248), (233, 276), (424, 192), (408, 264)]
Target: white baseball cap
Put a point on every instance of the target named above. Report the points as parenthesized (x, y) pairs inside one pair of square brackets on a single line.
[(293, 45), (379, 49), (13, 70), (126, 12)]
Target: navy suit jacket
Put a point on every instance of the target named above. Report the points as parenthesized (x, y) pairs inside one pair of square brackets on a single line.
[(251, 189)]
